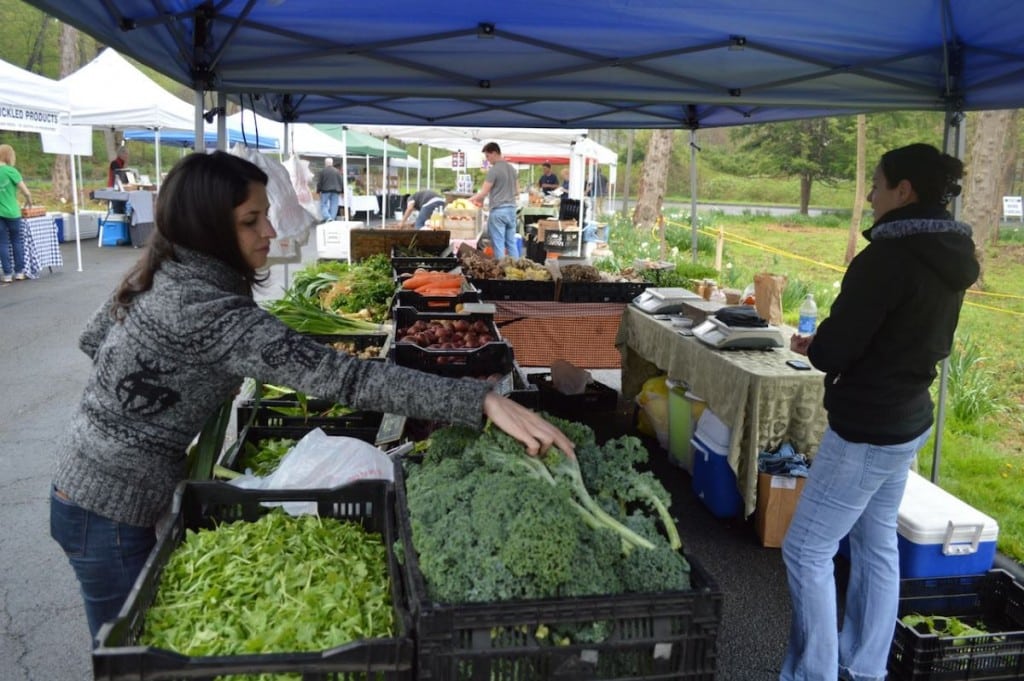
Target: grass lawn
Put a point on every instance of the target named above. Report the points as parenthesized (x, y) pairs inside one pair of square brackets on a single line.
[(981, 459)]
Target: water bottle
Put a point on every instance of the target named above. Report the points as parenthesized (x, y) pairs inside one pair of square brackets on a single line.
[(808, 316)]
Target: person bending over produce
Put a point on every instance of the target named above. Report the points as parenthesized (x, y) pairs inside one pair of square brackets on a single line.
[(175, 341), (892, 322)]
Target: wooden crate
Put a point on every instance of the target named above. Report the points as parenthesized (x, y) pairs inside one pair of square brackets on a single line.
[(366, 242)]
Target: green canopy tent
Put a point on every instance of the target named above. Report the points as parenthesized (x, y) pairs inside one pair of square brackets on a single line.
[(365, 145)]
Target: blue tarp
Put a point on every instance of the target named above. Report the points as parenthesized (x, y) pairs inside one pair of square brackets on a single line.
[(574, 63), (181, 138)]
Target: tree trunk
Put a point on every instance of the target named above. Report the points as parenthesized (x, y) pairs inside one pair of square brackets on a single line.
[(858, 192), (35, 55), (990, 140), (654, 179), (627, 185), (805, 193), (61, 177)]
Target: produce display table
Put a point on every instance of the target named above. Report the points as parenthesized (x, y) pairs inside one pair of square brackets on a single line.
[(764, 401), (42, 248), (580, 333)]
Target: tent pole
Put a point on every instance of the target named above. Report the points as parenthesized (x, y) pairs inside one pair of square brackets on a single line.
[(74, 204), (419, 170), (222, 124), (693, 194), (384, 185), (344, 170), (955, 144), (199, 132)]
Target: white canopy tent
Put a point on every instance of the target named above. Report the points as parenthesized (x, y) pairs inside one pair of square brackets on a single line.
[(33, 103), (298, 138)]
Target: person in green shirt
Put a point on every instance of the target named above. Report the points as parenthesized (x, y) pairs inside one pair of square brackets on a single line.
[(10, 216)]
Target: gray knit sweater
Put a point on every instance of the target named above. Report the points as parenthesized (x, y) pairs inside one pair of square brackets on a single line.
[(183, 349)]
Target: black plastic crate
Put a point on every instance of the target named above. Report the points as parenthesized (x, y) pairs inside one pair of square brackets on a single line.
[(276, 414), (521, 390), (515, 289), (600, 291), (597, 397), (495, 357), (667, 635), (993, 600), (562, 240), (360, 341), (201, 505), (424, 303), (435, 258), (234, 457)]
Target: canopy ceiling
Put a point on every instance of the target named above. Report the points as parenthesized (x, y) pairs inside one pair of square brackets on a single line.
[(187, 138), (574, 63)]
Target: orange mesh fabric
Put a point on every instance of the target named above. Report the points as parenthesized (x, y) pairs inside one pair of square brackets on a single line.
[(580, 333)]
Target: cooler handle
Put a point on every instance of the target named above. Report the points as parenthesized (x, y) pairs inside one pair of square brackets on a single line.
[(961, 548)]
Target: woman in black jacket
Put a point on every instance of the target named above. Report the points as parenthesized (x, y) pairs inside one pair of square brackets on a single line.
[(892, 322)]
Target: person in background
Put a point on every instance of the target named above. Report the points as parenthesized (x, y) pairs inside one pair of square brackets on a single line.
[(565, 179), (548, 180), (174, 341), (502, 185), (11, 237), (893, 320), (119, 162), (426, 201), (329, 185)]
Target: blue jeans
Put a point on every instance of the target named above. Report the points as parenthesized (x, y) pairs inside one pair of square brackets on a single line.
[(501, 227), (10, 236), (852, 488), (106, 556), (329, 205)]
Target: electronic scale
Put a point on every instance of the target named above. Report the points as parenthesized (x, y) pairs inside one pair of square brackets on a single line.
[(663, 300), (719, 335)]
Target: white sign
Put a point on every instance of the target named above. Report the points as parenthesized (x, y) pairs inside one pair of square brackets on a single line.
[(14, 117), (1012, 207), (68, 139)]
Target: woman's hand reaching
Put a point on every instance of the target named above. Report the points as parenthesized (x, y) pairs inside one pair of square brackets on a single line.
[(525, 425)]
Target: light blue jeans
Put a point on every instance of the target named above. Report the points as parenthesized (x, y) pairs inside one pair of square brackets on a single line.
[(107, 556), (329, 205), (501, 227), (852, 488)]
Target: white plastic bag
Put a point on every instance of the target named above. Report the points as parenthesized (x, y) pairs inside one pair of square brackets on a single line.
[(287, 215), (321, 461), (569, 379)]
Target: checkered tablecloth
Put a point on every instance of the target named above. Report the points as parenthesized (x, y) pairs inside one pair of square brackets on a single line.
[(41, 246)]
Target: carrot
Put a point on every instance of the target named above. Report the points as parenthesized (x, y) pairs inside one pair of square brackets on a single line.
[(447, 292), (422, 278)]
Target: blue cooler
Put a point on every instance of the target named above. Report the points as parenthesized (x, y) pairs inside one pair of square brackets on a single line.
[(114, 230), (941, 535), (714, 481)]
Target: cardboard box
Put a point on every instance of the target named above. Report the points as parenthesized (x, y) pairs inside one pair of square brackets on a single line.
[(776, 500), (544, 226)]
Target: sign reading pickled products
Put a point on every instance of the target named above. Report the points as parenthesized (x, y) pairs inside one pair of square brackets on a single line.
[(458, 160), (15, 117)]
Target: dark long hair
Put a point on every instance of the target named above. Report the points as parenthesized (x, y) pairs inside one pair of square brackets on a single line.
[(932, 174), (195, 210)]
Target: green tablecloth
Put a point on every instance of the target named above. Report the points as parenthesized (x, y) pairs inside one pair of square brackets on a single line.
[(764, 401)]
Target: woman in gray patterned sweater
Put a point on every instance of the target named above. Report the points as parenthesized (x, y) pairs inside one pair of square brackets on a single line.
[(175, 341)]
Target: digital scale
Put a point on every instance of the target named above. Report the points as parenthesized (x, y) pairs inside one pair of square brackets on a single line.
[(663, 300), (719, 335)]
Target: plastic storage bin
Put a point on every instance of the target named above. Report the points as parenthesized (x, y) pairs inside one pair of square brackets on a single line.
[(941, 535), (714, 481), (992, 601), (684, 410)]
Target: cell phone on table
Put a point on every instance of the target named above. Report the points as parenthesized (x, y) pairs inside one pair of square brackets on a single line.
[(798, 364)]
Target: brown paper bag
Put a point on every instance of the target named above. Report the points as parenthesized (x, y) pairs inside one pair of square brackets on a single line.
[(768, 296)]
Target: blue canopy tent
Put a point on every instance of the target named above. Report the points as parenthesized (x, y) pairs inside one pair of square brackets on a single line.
[(576, 63), (187, 138)]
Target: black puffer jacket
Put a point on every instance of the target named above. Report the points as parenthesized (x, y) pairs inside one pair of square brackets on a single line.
[(892, 322)]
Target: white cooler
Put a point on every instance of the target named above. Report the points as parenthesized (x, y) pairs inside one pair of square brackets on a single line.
[(941, 535)]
